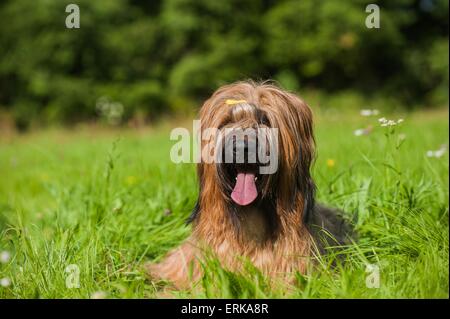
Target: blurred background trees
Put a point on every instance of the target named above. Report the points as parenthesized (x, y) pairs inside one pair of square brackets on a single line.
[(150, 58)]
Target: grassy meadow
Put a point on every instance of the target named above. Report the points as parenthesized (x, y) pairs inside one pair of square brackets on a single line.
[(95, 203)]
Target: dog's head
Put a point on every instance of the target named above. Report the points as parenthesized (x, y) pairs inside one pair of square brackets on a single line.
[(257, 146)]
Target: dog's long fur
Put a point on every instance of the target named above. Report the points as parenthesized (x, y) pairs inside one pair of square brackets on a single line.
[(278, 233)]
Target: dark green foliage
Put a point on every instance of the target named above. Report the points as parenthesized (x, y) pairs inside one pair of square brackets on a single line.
[(157, 57)]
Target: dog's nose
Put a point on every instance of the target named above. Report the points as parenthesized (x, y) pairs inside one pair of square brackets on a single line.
[(246, 147)]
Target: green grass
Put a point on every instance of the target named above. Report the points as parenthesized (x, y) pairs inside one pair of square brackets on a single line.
[(106, 201)]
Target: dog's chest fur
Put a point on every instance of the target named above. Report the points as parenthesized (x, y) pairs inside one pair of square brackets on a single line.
[(254, 225)]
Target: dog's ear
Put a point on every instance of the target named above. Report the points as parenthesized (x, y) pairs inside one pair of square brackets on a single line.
[(309, 200), (294, 120), (196, 210), (306, 144)]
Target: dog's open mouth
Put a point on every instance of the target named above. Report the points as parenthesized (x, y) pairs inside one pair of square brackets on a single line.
[(240, 167), (245, 191)]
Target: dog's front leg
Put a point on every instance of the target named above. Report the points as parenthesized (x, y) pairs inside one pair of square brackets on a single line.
[(180, 267)]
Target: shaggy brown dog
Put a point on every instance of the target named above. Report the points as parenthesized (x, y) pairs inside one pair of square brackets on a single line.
[(271, 219)]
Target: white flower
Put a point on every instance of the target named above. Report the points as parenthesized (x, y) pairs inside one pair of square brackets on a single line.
[(367, 112), (5, 256), (386, 122), (363, 131), (5, 282), (439, 153)]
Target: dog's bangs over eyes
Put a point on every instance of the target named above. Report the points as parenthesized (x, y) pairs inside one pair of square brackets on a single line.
[(247, 113), (239, 168)]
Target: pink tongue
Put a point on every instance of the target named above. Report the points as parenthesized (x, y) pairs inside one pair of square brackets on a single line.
[(244, 191)]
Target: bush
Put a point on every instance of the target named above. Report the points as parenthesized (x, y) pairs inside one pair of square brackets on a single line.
[(149, 55)]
